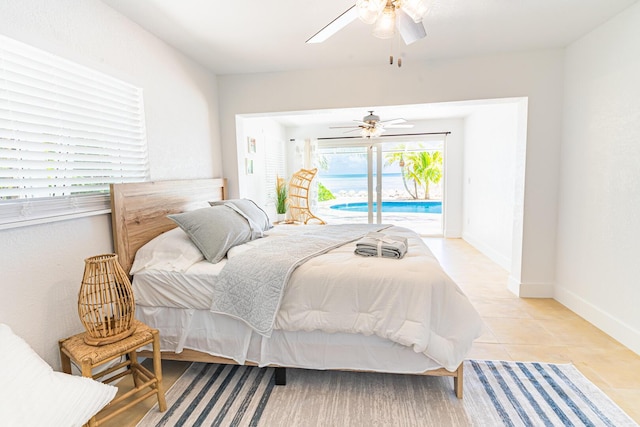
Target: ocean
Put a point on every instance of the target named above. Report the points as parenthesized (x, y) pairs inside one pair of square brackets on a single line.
[(358, 182)]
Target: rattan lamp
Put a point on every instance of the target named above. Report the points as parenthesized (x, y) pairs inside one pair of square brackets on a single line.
[(105, 301)]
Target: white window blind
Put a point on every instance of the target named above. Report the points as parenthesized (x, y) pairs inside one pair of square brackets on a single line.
[(66, 133), (274, 168)]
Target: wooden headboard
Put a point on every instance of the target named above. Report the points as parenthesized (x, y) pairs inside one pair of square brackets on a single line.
[(139, 210)]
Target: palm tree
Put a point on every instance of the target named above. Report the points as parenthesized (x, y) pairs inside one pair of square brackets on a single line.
[(428, 165), (405, 168), (422, 167)]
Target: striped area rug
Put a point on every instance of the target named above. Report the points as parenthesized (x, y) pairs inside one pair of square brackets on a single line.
[(496, 393)]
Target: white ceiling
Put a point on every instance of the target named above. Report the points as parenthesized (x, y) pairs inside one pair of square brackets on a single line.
[(251, 36), (349, 116)]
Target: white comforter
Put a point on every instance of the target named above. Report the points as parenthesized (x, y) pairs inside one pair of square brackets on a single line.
[(410, 301)]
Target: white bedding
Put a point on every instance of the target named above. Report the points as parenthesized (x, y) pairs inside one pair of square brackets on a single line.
[(411, 302), (214, 334), (189, 289)]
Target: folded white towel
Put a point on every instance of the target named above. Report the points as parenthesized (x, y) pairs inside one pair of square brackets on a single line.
[(382, 245)]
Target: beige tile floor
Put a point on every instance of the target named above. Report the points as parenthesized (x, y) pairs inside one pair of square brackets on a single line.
[(516, 329), (527, 329)]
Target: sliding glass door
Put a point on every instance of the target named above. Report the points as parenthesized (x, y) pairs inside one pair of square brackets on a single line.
[(343, 183), (412, 185), (374, 181)]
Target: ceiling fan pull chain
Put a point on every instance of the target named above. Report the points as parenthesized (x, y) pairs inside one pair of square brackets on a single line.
[(391, 49), (393, 45), (396, 44)]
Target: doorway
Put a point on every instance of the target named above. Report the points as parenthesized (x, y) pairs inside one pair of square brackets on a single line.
[(388, 181)]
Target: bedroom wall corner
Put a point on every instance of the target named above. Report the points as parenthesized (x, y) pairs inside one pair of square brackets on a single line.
[(599, 187), (42, 265)]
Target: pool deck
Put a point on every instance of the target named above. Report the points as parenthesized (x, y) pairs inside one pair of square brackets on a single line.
[(425, 224)]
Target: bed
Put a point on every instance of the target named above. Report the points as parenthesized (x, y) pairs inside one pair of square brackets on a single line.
[(415, 319)]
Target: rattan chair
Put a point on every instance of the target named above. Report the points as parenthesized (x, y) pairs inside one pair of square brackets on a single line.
[(299, 186)]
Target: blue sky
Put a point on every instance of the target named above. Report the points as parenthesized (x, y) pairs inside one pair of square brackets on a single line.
[(351, 163)]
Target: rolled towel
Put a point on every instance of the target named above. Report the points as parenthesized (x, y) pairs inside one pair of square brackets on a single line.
[(382, 245)]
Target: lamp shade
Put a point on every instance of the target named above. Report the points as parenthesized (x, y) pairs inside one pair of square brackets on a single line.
[(105, 301)]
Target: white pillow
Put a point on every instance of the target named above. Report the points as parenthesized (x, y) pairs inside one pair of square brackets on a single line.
[(32, 394), (173, 250)]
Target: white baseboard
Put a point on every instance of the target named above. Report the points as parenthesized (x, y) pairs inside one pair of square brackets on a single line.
[(452, 233), (617, 329), (531, 290), (493, 255)]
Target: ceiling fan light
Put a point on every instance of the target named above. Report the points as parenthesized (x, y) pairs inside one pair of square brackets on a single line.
[(372, 132), (416, 9), (369, 10), (385, 27)]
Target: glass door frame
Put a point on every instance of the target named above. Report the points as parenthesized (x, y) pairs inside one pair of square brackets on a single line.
[(369, 146), (377, 145)]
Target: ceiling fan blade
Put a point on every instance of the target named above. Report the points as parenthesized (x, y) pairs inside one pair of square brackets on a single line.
[(392, 122), (344, 127), (406, 126), (334, 26), (409, 30)]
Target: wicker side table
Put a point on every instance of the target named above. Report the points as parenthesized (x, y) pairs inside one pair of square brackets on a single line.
[(88, 357)]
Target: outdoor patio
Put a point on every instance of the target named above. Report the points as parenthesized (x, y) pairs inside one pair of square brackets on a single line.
[(425, 224)]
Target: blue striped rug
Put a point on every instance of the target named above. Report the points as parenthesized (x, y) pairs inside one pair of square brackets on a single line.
[(496, 393)]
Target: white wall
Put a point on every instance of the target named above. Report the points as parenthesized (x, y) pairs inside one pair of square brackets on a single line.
[(453, 172), (42, 265), (598, 269), (535, 75), (270, 141), (489, 180)]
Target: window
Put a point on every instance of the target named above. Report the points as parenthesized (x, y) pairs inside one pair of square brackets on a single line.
[(66, 133)]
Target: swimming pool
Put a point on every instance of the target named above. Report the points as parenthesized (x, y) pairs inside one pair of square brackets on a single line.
[(422, 206)]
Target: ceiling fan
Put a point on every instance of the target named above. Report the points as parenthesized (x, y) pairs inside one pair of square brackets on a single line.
[(371, 126), (405, 16)]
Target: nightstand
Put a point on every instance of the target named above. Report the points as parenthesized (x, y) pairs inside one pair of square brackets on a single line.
[(88, 357)]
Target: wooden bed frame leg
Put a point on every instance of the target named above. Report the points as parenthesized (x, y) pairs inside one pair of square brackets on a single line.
[(281, 376), (458, 381)]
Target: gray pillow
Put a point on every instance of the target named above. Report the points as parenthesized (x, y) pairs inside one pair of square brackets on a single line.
[(258, 218), (214, 230)]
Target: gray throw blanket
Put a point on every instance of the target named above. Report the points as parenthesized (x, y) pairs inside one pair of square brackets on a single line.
[(251, 284), (382, 245)]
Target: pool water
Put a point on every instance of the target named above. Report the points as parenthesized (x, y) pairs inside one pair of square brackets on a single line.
[(406, 207)]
